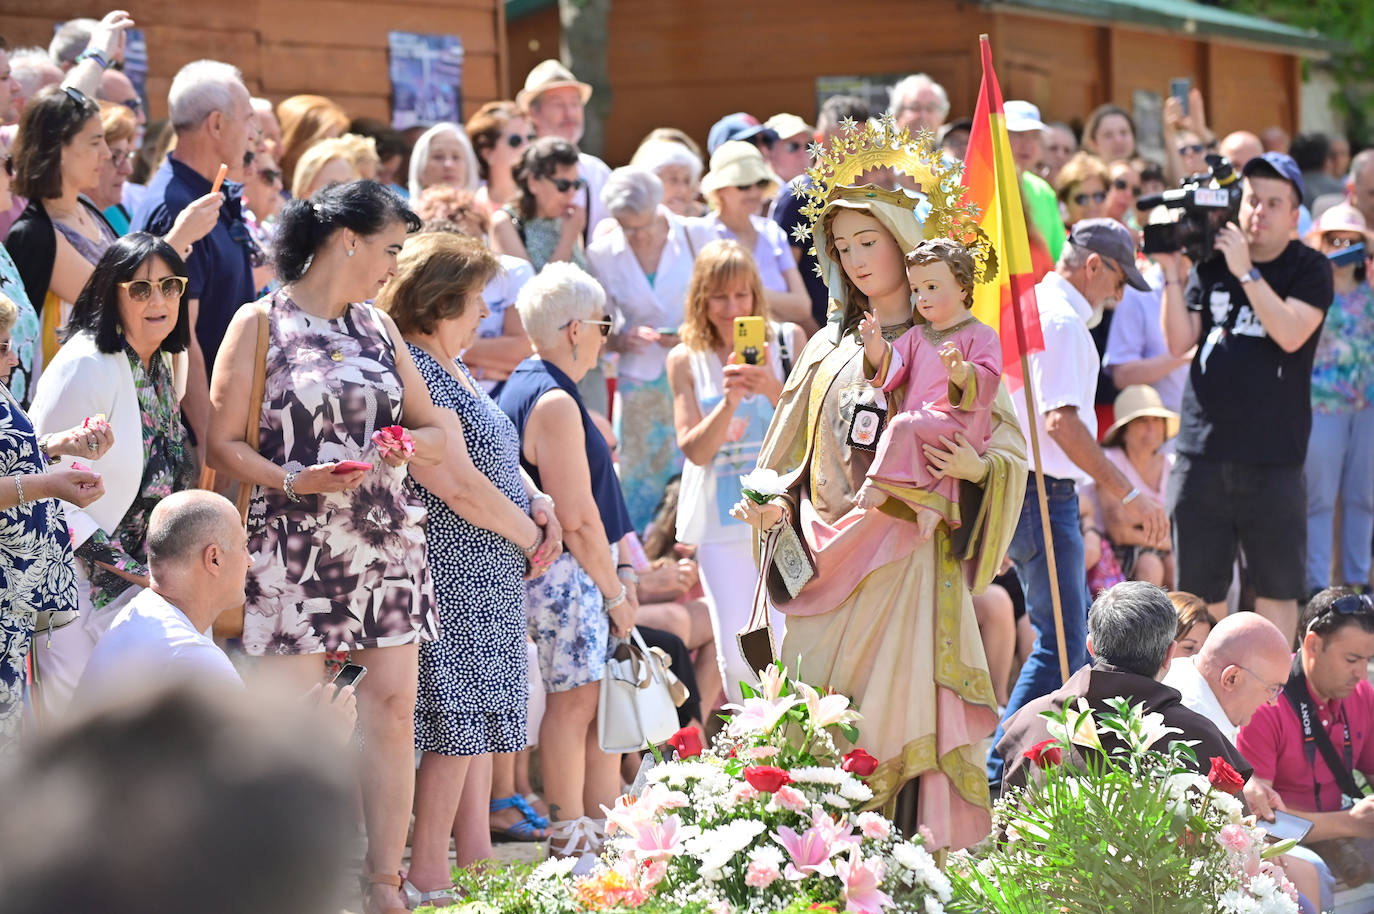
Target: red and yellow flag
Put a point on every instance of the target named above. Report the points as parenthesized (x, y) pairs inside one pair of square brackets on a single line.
[(1008, 304)]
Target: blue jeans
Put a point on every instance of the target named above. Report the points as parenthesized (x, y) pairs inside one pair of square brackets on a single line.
[(1340, 468), (1040, 676)]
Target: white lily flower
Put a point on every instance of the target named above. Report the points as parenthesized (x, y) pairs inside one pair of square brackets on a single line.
[(762, 484)]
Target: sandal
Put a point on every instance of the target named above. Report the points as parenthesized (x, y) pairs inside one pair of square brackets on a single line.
[(531, 827), (415, 898), (387, 879), (580, 838)]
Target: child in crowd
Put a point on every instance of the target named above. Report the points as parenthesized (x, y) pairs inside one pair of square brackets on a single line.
[(950, 366)]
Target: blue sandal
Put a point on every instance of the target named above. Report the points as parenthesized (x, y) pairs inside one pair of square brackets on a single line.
[(527, 829)]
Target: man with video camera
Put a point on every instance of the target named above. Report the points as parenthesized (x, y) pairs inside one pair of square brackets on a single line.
[(1253, 309)]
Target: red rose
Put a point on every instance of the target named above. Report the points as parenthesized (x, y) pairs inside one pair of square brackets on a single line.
[(859, 763), (1223, 777), (1045, 753), (687, 742), (766, 778)]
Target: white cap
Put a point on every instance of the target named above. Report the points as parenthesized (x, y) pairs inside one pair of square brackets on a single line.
[(1022, 116)]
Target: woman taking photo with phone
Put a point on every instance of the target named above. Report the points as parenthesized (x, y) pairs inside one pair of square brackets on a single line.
[(723, 401)]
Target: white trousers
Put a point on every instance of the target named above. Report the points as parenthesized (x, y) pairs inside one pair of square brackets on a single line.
[(61, 662)]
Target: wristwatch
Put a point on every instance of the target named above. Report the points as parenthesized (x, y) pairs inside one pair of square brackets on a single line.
[(1251, 276)]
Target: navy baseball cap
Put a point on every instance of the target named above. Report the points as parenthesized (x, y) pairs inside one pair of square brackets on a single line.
[(1275, 165), (1109, 238), (738, 126)]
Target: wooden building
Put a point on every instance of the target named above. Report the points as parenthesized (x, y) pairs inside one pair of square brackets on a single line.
[(336, 48), (688, 63)]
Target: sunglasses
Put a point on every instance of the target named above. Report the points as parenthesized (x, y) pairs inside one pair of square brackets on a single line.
[(1193, 148), (270, 175), (133, 104), (7, 162), (604, 324), (1352, 604), (1337, 242), (140, 290), (563, 185), (77, 96), (516, 140), (1123, 184), (761, 184), (793, 147), (1098, 196)]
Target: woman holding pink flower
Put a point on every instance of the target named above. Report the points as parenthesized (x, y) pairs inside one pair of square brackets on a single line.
[(337, 537)]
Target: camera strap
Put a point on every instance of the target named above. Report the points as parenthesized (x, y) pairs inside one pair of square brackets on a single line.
[(1315, 738)]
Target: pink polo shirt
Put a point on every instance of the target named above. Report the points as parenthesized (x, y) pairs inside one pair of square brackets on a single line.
[(1272, 742)]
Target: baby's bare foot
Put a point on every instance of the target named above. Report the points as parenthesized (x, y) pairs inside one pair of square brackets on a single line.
[(926, 520), (869, 496)]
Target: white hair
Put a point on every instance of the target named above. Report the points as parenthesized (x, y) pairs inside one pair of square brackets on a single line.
[(33, 69), (632, 189), (419, 157), (557, 295), (263, 105), (909, 85), (201, 88), (657, 154), (71, 39)]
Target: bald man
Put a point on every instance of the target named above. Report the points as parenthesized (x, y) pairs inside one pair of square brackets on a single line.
[(197, 564), (1243, 664), (1240, 147)]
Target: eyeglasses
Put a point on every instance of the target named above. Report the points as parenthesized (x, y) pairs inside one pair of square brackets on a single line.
[(1097, 196), (5, 348), (270, 175), (1191, 148), (1123, 184), (1272, 689), (119, 158), (605, 323), (140, 290), (516, 140), (563, 185)]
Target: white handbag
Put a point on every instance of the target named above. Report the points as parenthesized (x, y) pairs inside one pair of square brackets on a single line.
[(635, 709)]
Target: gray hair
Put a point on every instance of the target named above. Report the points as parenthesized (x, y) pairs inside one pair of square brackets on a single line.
[(657, 154), (1132, 625), (201, 88), (419, 156), (632, 190), (557, 295), (184, 523), (1357, 164), (909, 85), (71, 39), (33, 69)]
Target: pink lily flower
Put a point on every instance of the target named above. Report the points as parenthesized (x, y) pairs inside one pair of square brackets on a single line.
[(661, 841), (836, 834), (809, 851), (862, 891)]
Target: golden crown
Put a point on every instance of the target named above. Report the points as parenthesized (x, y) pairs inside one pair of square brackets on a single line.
[(882, 145)]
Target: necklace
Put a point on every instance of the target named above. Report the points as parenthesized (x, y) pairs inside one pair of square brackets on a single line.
[(939, 336)]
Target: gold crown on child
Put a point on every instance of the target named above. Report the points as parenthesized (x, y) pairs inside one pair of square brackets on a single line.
[(882, 146)]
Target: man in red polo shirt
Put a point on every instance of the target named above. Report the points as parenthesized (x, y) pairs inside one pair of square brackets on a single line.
[(1327, 692)]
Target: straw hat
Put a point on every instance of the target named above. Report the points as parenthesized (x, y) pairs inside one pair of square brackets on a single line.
[(1137, 402), (738, 164), (550, 74), (1341, 218)]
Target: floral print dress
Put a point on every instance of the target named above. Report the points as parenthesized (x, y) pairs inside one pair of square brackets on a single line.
[(348, 570), (167, 468), (36, 567)]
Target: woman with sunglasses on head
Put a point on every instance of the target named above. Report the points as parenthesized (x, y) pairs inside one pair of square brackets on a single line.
[(123, 361), (543, 224), (736, 186), (499, 133), (59, 155), (108, 192)]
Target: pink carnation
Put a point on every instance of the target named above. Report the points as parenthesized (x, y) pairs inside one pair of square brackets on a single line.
[(1234, 838), (790, 798), (743, 792), (873, 826), (760, 752), (761, 875), (652, 872)]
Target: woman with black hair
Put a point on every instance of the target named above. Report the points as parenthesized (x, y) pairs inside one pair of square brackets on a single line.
[(123, 361), (337, 537), (543, 224)]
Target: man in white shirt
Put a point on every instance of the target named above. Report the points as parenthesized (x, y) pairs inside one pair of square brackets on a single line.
[(554, 100), (197, 563), (1097, 262), (1243, 664)]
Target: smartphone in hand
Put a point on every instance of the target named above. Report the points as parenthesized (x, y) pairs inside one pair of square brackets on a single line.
[(350, 675)]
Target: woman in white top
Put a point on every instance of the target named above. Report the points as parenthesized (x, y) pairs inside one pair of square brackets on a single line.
[(736, 187), (1135, 444), (722, 410), (644, 262)]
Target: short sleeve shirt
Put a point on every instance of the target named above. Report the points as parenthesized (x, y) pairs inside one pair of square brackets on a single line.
[(772, 252), (1135, 334), (220, 268), (1273, 743), (1246, 399), (787, 213)]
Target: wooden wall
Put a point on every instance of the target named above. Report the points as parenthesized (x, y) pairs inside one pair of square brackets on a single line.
[(336, 48), (687, 64)]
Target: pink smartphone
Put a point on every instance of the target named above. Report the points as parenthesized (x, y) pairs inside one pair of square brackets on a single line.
[(348, 466)]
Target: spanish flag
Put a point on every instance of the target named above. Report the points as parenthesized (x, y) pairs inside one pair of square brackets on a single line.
[(1007, 304)]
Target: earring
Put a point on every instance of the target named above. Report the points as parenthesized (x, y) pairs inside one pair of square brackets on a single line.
[(350, 252)]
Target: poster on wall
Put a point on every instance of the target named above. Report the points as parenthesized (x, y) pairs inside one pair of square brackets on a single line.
[(1149, 123), (136, 62), (426, 79)]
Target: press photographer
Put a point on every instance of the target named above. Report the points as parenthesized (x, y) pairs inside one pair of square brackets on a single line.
[(1253, 307)]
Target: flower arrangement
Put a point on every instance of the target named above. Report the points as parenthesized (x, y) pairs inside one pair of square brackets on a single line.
[(1132, 825), (768, 819)]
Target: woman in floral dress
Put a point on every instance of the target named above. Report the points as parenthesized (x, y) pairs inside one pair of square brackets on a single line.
[(339, 557)]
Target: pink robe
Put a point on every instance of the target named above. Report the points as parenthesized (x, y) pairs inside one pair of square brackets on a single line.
[(900, 467)]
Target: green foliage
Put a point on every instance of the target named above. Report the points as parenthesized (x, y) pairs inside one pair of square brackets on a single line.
[(1349, 22)]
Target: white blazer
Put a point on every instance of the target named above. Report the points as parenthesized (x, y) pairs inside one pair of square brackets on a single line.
[(82, 381)]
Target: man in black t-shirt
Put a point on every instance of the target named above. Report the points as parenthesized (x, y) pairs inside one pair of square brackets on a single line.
[(1254, 311)]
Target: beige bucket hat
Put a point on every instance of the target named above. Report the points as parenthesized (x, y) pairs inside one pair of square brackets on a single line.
[(550, 74)]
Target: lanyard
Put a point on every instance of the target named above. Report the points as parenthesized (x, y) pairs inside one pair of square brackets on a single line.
[(1316, 738)]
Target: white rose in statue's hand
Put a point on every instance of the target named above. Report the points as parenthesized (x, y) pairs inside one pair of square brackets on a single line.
[(762, 485)]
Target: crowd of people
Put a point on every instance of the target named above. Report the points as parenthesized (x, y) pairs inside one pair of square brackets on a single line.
[(481, 398)]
